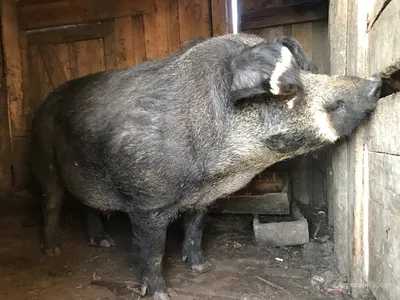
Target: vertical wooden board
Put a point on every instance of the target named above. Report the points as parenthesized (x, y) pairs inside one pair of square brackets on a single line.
[(52, 62), (320, 46), (10, 37), (110, 59), (341, 208), (20, 162), (73, 58), (303, 33), (173, 26), (5, 142), (26, 89), (219, 17), (62, 51), (384, 39), (89, 57), (352, 38), (383, 130), (156, 32), (338, 29), (124, 42), (139, 42), (194, 19), (384, 229), (40, 82), (287, 30)]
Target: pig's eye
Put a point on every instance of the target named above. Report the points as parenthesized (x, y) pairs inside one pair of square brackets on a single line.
[(337, 105)]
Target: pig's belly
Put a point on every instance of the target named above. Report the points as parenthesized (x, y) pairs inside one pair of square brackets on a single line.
[(92, 189)]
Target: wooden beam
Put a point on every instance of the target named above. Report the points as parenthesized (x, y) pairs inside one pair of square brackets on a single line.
[(285, 15), (249, 6), (68, 34), (10, 35), (57, 13)]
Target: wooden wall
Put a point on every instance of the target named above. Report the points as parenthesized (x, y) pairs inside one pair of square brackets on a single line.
[(48, 42), (308, 172), (364, 186)]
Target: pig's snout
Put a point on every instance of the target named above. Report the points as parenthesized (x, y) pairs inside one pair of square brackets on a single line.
[(373, 88)]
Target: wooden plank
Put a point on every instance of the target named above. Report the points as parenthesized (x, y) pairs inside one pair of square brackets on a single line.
[(173, 26), (110, 59), (139, 42), (40, 82), (219, 17), (156, 32), (383, 130), (303, 33), (71, 33), (284, 16), (341, 209), (384, 220), (26, 89), (124, 42), (257, 5), (383, 50), (79, 11), (10, 37), (269, 204), (384, 186), (20, 169), (320, 46), (53, 66), (266, 182), (338, 29), (5, 142), (194, 19), (73, 57), (89, 57), (22, 3)]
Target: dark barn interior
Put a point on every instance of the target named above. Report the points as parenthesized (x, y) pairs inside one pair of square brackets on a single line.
[(325, 225)]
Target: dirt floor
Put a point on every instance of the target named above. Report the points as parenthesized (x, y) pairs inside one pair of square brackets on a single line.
[(242, 270)]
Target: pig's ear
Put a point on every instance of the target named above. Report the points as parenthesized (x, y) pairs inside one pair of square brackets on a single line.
[(298, 53), (265, 68)]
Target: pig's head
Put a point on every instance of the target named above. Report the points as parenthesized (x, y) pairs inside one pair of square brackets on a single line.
[(298, 111), (337, 104)]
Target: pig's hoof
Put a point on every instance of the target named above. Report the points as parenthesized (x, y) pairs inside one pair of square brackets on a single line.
[(102, 240), (55, 251), (203, 268)]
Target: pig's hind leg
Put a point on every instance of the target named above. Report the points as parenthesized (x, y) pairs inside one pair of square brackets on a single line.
[(94, 227), (52, 201), (192, 251)]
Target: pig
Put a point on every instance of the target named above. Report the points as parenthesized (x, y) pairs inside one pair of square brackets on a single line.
[(171, 136)]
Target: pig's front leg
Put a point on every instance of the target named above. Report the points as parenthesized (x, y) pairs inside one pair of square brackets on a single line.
[(149, 232), (192, 251)]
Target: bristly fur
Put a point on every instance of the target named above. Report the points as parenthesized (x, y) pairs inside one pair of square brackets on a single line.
[(176, 134)]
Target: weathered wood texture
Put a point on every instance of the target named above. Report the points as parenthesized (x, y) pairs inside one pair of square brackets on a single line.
[(248, 6), (48, 42), (275, 16), (362, 187), (384, 218), (5, 141), (384, 38)]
